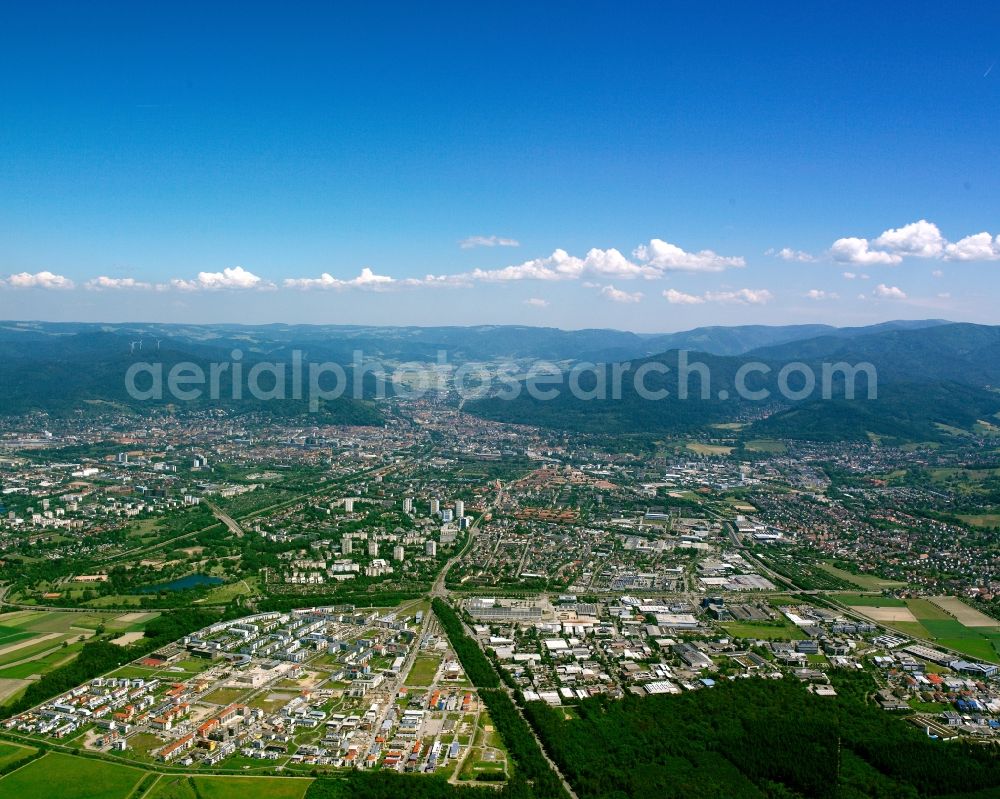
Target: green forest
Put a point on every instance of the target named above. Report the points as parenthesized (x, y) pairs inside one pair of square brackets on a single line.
[(753, 739)]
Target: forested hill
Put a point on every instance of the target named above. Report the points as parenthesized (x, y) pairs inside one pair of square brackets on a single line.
[(932, 381), (962, 353), (86, 373)]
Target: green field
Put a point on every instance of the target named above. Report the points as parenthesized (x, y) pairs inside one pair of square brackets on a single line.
[(766, 445), (926, 610), (41, 665), (708, 449), (869, 582), (8, 635), (59, 776), (224, 696), (982, 519), (33, 650), (777, 600), (12, 753), (172, 786), (766, 632), (912, 628), (938, 625), (224, 594), (423, 671)]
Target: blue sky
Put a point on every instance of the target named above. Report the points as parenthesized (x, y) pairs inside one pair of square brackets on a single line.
[(196, 163)]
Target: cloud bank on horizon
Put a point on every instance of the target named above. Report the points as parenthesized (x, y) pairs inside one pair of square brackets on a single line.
[(655, 260)]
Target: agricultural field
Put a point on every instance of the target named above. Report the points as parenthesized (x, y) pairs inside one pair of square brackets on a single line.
[(868, 601), (31, 636), (966, 614), (69, 777), (926, 618), (34, 642)]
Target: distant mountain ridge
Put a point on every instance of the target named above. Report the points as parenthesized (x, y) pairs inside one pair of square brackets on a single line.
[(933, 376), (931, 381), (480, 342)]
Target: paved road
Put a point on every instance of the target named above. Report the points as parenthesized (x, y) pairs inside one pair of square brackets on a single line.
[(226, 519)]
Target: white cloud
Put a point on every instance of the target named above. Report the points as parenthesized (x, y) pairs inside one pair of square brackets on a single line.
[(114, 283), (558, 266), (537, 302), (857, 251), (230, 278), (849, 275), (978, 247), (617, 295), (921, 239), (367, 281), (820, 294), (38, 280), (652, 260), (670, 258), (487, 241), (788, 254), (889, 292), (563, 266), (741, 296), (675, 297), (937, 273)]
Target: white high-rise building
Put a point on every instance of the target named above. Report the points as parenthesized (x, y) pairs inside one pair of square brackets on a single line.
[(398, 553), (408, 505), (435, 506), (431, 548), (459, 509), (373, 549), (346, 545), (349, 505)]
